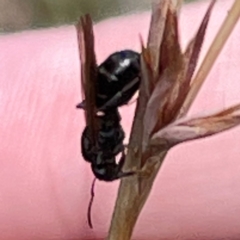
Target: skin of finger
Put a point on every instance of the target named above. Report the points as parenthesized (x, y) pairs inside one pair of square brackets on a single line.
[(45, 183)]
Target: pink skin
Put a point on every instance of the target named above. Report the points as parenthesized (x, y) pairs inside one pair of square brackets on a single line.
[(45, 183)]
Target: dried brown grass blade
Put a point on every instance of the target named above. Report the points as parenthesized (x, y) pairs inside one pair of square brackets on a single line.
[(170, 50), (195, 46), (88, 69), (189, 129), (82, 56), (157, 25), (184, 69)]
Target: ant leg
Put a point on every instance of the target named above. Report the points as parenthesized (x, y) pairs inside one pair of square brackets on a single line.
[(118, 96), (112, 102)]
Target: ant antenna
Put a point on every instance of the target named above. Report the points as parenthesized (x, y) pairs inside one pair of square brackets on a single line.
[(90, 204)]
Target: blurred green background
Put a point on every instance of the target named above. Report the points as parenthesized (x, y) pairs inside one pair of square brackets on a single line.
[(17, 15)]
